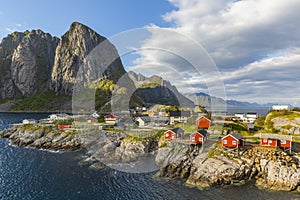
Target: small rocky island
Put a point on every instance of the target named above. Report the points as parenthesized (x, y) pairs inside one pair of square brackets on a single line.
[(42, 138), (201, 166)]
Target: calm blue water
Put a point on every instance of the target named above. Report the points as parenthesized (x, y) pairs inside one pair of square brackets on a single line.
[(259, 110), (231, 110), (34, 174)]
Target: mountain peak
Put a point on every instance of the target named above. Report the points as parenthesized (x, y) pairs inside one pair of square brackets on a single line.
[(79, 26)]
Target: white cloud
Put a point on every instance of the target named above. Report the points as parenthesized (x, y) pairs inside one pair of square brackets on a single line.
[(15, 27), (255, 44)]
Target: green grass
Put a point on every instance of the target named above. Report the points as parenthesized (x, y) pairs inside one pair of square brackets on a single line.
[(131, 138), (287, 127), (36, 127), (239, 127), (40, 102), (150, 85), (290, 115), (113, 130), (188, 128)]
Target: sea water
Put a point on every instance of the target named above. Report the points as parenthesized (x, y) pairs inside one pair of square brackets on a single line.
[(27, 173)]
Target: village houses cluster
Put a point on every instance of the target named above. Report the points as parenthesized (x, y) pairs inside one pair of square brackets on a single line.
[(143, 118)]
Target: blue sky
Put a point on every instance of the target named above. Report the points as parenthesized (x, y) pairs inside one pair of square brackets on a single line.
[(254, 44), (107, 17)]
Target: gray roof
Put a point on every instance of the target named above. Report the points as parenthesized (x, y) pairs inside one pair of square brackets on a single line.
[(237, 135), (145, 118), (177, 130), (180, 113), (203, 132)]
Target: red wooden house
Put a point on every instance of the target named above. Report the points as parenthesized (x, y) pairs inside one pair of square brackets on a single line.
[(64, 125), (233, 140), (174, 134), (203, 123), (199, 137), (91, 120), (276, 140), (110, 119)]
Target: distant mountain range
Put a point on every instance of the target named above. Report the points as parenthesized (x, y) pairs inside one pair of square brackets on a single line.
[(206, 100)]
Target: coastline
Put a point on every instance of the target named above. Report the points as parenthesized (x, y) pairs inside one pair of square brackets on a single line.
[(209, 167)]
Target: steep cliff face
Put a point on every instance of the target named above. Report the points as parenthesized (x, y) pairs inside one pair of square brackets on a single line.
[(74, 55), (26, 60), (7, 47), (32, 62)]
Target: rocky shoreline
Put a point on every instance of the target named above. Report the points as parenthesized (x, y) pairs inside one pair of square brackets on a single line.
[(271, 169), (198, 166), (42, 139)]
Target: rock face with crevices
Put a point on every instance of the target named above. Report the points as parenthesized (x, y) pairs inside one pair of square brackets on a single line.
[(271, 169), (80, 49), (32, 62), (42, 139)]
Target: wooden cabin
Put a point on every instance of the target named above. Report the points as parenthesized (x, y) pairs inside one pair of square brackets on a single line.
[(64, 125), (174, 134), (110, 119), (276, 140), (199, 137), (91, 120), (233, 140), (203, 123)]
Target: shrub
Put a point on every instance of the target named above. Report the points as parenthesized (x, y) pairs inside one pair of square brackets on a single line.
[(297, 109)]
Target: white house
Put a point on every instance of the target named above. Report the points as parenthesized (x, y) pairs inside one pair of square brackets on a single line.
[(143, 121), (248, 117), (251, 117), (281, 107), (240, 115), (29, 121), (95, 114), (59, 116), (179, 116)]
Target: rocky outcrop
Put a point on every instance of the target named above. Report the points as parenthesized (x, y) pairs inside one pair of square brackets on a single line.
[(277, 175), (42, 139), (273, 169), (114, 148), (290, 126)]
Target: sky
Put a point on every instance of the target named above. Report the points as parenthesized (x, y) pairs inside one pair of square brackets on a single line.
[(246, 50)]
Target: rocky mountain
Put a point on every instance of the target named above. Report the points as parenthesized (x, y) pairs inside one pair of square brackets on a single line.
[(35, 62), (73, 52), (206, 100), (155, 90), (32, 62), (26, 61)]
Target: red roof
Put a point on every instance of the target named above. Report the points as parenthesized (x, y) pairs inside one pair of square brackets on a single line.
[(111, 116)]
